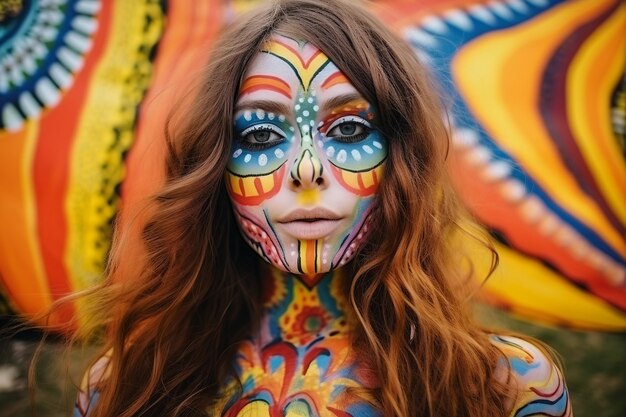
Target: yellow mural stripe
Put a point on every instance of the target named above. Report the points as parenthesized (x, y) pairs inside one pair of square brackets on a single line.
[(596, 69), (242, 6), (21, 263), (116, 88), (512, 80), (535, 291)]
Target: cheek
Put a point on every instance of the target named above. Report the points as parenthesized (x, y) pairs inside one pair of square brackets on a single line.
[(363, 184), (357, 232), (254, 189), (259, 234), (254, 175), (357, 167)]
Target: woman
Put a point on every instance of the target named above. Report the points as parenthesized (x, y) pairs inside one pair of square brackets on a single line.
[(315, 133)]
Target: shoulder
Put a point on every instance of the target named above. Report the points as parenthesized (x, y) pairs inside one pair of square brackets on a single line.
[(87, 395), (536, 378)]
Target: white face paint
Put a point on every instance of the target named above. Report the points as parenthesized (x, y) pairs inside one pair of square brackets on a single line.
[(306, 160)]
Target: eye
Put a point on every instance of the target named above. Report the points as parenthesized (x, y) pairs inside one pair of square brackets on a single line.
[(349, 129), (261, 136)]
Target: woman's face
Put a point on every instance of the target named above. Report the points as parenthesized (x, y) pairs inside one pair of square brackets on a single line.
[(306, 160)]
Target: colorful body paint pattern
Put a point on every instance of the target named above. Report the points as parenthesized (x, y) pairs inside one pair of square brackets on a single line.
[(301, 363), (310, 256), (359, 165), (349, 246), (532, 83), (265, 244), (542, 389), (304, 68), (362, 159), (306, 145), (304, 366), (310, 381), (252, 173), (87, 395), (256, 175), (306, 370)]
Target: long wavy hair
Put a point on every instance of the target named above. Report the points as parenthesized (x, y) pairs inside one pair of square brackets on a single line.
[(175, 316)]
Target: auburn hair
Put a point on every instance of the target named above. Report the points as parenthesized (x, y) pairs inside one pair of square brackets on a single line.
[(174, 318)]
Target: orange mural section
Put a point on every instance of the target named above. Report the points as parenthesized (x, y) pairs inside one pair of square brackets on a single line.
[(19, 249)]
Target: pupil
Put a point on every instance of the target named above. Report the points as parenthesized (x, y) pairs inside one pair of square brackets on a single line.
[(262, 136), (347, 128)]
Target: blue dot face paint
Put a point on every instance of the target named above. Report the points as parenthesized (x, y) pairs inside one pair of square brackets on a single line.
[(262, 141)]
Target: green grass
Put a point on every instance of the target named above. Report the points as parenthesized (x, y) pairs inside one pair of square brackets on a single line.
[(54, 392), (595, 369)]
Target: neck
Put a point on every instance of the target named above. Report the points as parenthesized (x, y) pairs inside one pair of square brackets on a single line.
[(299, 312)]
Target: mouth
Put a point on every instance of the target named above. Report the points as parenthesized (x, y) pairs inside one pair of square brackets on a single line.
[(310, 224)]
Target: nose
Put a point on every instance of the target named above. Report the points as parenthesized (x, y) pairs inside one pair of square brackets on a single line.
[(307, 171)]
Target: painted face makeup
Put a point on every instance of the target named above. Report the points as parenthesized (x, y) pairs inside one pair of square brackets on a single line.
[(306, 160)]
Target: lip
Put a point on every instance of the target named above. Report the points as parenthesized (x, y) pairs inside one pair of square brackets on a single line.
[(310, 224), (317, 213)]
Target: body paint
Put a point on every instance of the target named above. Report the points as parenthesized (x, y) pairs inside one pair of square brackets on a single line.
[(301, 364), (540, 383), (306, 60), (303, 158)]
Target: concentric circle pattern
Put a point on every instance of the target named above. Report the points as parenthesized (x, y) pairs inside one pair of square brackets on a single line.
[(42, 48)]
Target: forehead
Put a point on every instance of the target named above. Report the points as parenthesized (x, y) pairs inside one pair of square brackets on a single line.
[(285, 68)]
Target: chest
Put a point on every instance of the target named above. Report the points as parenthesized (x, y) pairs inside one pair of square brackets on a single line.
[(322, 378)]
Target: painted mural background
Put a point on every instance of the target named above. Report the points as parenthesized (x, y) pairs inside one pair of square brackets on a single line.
[(536, 94)]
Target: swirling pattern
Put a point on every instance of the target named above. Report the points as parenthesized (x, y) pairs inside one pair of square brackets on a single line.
[(283, 379), (302, 363), (534, 157), (66, 127), (542, 390), (42, 48)]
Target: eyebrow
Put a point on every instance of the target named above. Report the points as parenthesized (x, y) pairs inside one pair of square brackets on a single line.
[(339, 101), (281, 108), (266, 105)]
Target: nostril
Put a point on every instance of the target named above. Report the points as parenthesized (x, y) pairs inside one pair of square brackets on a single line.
[(319, 181)]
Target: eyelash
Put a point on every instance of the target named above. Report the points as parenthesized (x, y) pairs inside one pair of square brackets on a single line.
[(367, 128), (260, 145)]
